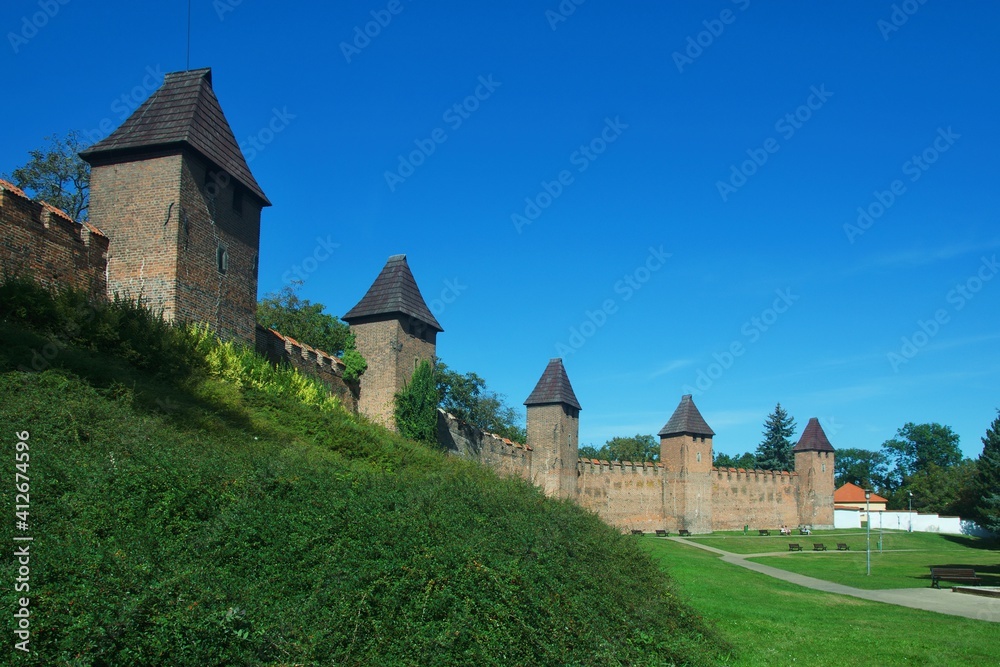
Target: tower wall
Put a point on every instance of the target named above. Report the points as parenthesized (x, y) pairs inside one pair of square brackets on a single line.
[(816, 485), (167, 220), (393, 347), (687, 460), (553, 435)]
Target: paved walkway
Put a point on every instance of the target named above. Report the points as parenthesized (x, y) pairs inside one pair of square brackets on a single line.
[(943, 601)]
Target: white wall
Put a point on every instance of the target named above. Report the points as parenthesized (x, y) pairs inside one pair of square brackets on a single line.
[(846, 518)]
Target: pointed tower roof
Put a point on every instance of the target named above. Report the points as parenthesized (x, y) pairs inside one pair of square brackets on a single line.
[(686, 420), (182, 112), (394, 292), (813, 439), (553, 387)]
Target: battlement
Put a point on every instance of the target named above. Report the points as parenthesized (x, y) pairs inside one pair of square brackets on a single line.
[(501, 454), (42, 241), (755, 475), (600, 466), (278, 349)]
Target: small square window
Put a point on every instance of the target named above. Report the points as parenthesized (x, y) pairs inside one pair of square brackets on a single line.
[(222, 259)]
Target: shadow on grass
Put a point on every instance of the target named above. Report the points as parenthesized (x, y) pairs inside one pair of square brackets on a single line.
[(990, 544)]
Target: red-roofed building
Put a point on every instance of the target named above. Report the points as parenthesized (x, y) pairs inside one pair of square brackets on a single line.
[(852, 496)]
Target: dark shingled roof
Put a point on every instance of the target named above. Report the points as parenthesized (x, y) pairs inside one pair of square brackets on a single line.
[(813, 439), (686, 420), (394, 292), (182, 112), (554, 387)]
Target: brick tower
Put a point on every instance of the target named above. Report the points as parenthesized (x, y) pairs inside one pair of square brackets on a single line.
[(814, 464), (553, 432), (394, 331), (177, 200), (686, 454)]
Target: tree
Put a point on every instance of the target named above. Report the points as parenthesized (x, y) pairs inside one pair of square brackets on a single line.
[(591, 452), (775, 451), (747, 461), (986, 485), (306, 322), (56, 174), (938, 489), (468, 398), (416, 406), (867, 469), (916, 446), (638, 448)]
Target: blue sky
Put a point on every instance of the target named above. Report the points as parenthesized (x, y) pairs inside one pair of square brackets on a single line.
[(752, 202)]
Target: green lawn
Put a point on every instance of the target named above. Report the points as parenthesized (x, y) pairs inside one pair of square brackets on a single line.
[(772, 622)]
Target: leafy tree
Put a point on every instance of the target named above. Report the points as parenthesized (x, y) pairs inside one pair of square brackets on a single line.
[(56, 174), (306, 322), (986, 486), (775, 451), (916, 446), (416, 406), (867, 469), (938, 489), (591, 452), (637, 448), (746, 460), (468, 398)]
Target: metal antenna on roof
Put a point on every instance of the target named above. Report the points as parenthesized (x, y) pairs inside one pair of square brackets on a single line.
[(187, 64)]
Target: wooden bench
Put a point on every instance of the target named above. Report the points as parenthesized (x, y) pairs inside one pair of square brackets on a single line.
[(842, 547), (795, 547), (636, 531), (683, 532), (805, 531), (956, 574), (819, 547), (764, 531), (661, 533)]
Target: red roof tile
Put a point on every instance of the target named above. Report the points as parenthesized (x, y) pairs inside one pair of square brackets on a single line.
[(852, 493)]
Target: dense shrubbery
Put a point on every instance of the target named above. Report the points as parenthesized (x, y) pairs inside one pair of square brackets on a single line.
[(192, 507)]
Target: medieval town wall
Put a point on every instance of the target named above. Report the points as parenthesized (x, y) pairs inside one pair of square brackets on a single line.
[(754, 498), (629, 496), (279, 349), (504, 456), (40, 241)]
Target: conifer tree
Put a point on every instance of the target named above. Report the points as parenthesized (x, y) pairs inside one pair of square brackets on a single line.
[(775, 451), (987, 482)]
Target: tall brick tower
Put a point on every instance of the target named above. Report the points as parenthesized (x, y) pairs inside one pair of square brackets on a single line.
[(554, 432), (177, 200), (394, 331), (814, 464), (686, 454)]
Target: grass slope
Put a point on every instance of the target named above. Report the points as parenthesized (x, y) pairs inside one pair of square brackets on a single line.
[(778, 623), (185, 513)]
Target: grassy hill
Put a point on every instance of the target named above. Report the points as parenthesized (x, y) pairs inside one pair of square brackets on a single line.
[(192, 506)]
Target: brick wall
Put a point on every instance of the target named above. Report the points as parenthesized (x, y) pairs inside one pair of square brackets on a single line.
[(279, 349), (758, 498), (503, 455), (392, 346), (166, 225), (553, 434), (42, 242), (629, 496), (816, 486)]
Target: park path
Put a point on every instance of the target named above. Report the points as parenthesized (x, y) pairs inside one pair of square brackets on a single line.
[(943, 601)]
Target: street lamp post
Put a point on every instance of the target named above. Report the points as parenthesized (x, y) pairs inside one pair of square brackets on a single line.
[(911, 510), (868, 523)]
